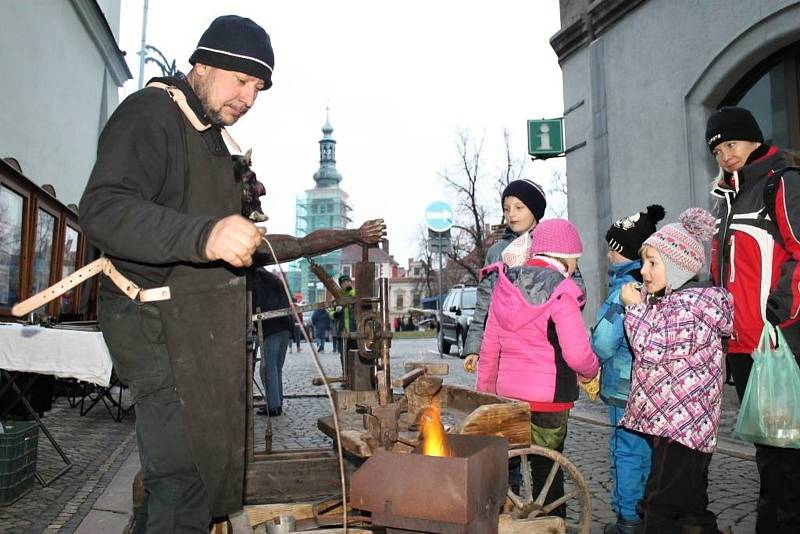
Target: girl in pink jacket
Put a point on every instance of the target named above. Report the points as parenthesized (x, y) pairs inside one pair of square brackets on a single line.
[(535, 347)]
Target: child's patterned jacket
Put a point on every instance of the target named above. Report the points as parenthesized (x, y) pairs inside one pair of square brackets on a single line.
[(676, 386)]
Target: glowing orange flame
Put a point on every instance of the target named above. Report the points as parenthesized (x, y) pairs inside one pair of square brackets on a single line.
[(434, 442)]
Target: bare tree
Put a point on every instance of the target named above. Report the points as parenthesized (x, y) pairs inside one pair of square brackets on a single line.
[(514, 166), (425, 256), (467, 235), (472, 186), (556, 192)]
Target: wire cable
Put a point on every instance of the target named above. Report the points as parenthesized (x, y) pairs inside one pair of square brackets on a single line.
[(324, 381)]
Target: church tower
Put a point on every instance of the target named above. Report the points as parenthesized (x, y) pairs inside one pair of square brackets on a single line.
[(323, 206)]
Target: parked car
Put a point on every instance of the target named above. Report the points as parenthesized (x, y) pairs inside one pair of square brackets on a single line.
[(457, 310)]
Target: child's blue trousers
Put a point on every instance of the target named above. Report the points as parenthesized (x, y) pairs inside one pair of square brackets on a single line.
[(631, 456)]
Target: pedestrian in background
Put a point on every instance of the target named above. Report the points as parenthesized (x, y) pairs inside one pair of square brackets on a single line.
[(298, 322), (630, 451), (269, 294), (676, 331), (754, 254), (344, 319), (322, 322), (535, 346), (523, 203)]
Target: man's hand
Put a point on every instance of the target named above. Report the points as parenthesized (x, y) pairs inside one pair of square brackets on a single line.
[(630, 294), (233, 240), (471, 363), (372, 231)]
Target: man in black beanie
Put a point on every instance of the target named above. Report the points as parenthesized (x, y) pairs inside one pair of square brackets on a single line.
[(755, 255), (163, 204)]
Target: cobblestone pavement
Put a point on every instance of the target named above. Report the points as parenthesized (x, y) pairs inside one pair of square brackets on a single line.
[(96, 445), (733, 484)]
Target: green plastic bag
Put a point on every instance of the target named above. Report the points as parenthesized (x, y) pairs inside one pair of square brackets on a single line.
[(770, 411)]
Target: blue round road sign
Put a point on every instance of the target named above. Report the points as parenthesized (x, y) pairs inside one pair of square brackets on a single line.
[(439, 216)]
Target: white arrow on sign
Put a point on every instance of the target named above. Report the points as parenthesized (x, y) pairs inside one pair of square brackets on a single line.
[(445, 215)]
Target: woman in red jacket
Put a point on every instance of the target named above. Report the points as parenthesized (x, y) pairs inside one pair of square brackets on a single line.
[(755, 255)]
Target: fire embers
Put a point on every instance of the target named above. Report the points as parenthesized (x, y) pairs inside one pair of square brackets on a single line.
[(434, 439)]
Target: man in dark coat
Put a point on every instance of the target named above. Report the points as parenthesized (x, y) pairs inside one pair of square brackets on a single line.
[(268, 294), (322, 323), (163, 204)]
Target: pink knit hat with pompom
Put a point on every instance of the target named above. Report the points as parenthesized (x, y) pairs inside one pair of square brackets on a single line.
[(681, 245), (557, 238)]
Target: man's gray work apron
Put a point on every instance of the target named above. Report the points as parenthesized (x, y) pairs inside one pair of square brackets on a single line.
[(205, 323)]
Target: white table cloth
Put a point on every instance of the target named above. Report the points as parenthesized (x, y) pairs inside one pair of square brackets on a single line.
[(53, 351)]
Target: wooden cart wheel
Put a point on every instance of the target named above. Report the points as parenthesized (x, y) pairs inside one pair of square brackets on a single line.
[(526, 505)]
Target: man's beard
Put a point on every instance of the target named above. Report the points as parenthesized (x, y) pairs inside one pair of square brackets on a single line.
[(213, 115)]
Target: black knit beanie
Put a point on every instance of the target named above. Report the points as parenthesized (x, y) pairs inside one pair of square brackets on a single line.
[(732, 124), (238, 44), (530, 193), (627, 235)]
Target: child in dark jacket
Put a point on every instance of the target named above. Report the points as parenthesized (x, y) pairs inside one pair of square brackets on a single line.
[(523, 203), (630, 451), (676, 334), (535, 346)]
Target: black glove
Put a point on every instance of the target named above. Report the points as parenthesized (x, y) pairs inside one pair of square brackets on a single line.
[(773, 312)]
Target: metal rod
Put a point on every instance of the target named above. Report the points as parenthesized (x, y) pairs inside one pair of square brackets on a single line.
[(439, 298), (384, 377), (142, 50)]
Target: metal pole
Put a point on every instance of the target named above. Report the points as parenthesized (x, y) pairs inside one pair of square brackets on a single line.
[(439, 297), (142, 51)]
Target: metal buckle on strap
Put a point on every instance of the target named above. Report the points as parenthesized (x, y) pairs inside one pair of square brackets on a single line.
[(132, 290)]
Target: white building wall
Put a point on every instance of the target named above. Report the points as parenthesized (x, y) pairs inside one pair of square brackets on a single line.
[(648, 85), (56, 90)]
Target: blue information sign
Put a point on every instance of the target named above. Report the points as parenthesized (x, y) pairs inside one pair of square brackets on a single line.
[(439, 216)]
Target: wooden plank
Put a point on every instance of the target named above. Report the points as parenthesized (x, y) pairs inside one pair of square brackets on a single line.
[(509, 420), (539, 525), (350, 530), (261, 513), (294, 479)]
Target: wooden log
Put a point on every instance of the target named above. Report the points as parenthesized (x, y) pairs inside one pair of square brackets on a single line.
[(509, 420), (539, 525)]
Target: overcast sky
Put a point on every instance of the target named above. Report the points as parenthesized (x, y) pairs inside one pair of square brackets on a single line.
[(400, 78)]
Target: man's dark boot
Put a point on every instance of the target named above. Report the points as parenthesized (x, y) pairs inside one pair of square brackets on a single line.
[(623, 526)]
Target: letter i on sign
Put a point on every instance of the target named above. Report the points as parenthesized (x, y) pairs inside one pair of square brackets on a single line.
[(544, 137)]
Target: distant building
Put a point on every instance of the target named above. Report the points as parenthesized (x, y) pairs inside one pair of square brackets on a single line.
[(408, 289), (323, 206), (640, 78), (62, 68)]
